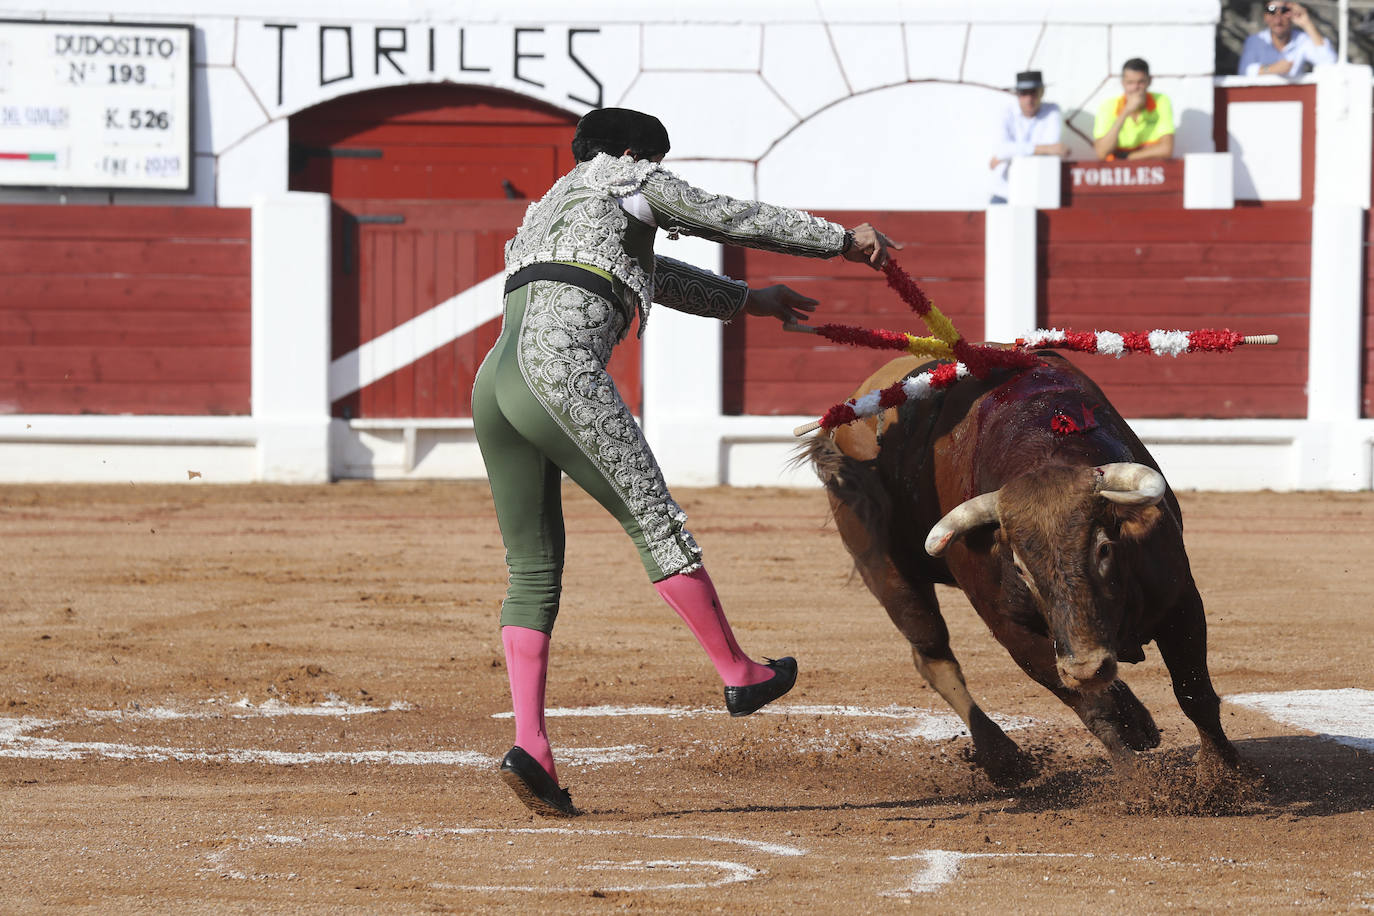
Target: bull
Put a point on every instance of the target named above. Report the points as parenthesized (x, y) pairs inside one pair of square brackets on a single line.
[(1030, 493)]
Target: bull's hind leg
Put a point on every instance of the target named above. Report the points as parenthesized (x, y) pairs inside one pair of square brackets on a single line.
[(916, 613)]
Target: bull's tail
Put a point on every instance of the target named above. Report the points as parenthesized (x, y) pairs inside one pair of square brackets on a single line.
[(854, 484), (824, 456)]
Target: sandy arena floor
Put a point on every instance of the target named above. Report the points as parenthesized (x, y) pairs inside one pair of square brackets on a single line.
[(289, 699)]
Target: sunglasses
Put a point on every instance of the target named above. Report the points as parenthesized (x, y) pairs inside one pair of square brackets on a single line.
[(1274, 8)]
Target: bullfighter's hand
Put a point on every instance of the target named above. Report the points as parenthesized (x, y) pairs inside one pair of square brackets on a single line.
[(780, 302), (870, 246)]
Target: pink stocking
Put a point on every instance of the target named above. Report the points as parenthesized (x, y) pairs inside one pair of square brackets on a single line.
[(527, 665), (694, 598)]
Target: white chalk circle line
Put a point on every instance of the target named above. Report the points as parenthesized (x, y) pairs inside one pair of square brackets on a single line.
[(690, 873)]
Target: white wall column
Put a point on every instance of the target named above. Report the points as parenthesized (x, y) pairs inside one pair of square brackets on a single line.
[(1209, 181), (1335, 451), (1010, 238), (1345, 101), (291, 334), (683, 383), (1332, 459), (1009, 272), (1034, 181)]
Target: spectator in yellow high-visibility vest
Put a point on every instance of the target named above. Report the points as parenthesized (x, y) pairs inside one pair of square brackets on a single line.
[(1138, 124)]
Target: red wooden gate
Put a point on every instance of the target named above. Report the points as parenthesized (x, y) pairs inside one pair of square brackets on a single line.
[(428, 183)]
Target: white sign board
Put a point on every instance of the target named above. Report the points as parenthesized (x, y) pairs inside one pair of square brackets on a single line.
[(95, 105)]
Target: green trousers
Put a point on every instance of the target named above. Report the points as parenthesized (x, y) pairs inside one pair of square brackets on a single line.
[(544, 405)]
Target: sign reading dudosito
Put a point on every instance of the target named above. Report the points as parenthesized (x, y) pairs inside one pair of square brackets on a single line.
[(95, 105)]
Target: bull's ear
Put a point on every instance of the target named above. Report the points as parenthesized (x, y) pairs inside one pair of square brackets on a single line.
[(1136, 522)]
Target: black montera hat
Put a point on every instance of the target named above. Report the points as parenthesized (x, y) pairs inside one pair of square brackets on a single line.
[(1029, 79), (624, 128)]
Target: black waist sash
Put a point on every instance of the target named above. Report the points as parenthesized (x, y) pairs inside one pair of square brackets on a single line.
[(592, 282)]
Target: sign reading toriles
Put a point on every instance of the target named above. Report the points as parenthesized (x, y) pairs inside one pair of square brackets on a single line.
[(291, 65), (95, 105)]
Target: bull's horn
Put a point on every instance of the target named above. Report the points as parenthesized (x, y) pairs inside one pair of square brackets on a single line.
[(963, 518), (1131, 484)]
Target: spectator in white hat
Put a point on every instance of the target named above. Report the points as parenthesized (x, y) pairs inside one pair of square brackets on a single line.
[(1029, 127)]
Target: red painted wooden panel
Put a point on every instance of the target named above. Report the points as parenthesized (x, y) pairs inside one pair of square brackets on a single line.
[(131, 294), (155, 365), (125, 310), (124, 223), (1246, 269), (452, 172), (771, 372), (431, 142), (1130, 259), (165, 257), (1231, 226), (104, 328), (180, 399)]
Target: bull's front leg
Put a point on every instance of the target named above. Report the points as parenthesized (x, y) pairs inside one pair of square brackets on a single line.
[(1114, 716), (915, 611), (1182, 643)]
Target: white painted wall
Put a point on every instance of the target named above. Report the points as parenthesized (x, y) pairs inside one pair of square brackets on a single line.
[(908, 87)]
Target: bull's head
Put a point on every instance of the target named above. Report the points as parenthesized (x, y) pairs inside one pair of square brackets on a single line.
[(1059, 531)]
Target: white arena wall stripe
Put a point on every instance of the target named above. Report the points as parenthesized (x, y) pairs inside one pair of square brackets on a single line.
[(426, 332), (1345, 715)]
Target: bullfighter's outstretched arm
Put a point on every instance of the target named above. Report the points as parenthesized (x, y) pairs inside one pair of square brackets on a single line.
[(697, 291), (679, 207)]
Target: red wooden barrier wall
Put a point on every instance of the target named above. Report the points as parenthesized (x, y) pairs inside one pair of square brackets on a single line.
[(769, 371), (1246, 269), (124, 310)]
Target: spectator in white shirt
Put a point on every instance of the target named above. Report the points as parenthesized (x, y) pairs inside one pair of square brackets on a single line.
[(1028, 127), (1283, 50)]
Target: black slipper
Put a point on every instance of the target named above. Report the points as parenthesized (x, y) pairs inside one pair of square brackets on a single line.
[(535, 787), (741, 701)]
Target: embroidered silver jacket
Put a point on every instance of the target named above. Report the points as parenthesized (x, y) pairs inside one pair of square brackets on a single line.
[(580, 219)]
